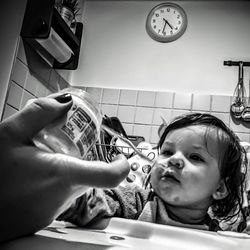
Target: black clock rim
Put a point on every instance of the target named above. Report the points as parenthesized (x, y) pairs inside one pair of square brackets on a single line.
[(151, 32)]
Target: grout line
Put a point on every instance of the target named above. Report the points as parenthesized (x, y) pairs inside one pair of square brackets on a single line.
[(192, 102), (101, 96), (211, 102), (136, 100), (118, 101)]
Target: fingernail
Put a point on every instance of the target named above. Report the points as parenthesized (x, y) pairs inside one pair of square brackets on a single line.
[(64, 98)]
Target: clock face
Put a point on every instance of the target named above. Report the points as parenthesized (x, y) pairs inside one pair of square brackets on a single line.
[(166, 22)]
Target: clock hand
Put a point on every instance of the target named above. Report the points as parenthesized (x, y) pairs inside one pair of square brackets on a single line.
[(164, 27), (166, 22)]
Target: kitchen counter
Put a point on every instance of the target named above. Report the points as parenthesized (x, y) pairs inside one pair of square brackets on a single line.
[(124, 234)]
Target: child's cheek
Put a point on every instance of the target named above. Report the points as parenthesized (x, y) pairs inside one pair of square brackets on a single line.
[(154, 179)]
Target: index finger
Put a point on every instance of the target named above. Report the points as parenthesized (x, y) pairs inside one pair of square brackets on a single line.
[(34, 117)]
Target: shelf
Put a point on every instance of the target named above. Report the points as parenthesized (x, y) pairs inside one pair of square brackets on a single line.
[(40, 17)]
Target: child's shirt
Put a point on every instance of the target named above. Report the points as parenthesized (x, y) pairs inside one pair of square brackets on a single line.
[(96, 207)]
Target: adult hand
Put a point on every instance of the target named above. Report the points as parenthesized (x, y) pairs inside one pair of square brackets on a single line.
[(35, 185)]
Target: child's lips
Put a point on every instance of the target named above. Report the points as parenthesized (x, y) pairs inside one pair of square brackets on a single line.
[(170, 177)]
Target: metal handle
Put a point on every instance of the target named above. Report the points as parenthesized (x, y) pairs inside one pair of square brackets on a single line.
[(116, 134), (236, 63)]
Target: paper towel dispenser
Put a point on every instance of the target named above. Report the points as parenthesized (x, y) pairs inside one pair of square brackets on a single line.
[(44, 28)]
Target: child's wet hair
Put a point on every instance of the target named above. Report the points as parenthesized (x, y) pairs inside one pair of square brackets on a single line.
[(233, 161)]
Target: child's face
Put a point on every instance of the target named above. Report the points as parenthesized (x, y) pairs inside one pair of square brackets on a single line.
[(186, 172)]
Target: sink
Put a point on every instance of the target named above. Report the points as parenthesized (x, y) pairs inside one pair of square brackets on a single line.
[(123, 234), (146, 235)]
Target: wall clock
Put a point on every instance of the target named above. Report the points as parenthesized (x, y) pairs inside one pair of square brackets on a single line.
[(166, 22)]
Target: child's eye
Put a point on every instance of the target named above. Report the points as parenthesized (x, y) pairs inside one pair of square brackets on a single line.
[(196, 157)]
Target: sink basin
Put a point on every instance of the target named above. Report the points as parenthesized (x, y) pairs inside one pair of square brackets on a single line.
[(122, 234), (154, 236)]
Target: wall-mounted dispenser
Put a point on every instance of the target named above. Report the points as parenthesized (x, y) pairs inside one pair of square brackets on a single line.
[(240, 106), (44, 28)]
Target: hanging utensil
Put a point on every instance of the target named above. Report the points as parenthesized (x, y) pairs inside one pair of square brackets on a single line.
[(246, 112), (239, 96)]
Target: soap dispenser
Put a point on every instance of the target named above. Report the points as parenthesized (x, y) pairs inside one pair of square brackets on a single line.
[(239, 97)]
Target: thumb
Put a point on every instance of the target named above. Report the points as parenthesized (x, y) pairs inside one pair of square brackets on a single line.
[(92, 173), (39, 113)]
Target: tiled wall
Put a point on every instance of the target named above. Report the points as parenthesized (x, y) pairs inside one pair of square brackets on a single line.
[(31, 77), (140, 111)]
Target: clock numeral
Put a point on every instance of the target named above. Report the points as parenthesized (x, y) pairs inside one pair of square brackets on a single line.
[(171, 32), (154, 21), (159, 31), (157, 15), (164, 33), (154, 27), (179, 22), (162, 11), (168, 9), (179, 16)]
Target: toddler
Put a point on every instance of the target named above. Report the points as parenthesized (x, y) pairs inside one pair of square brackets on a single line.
[(200, 170)]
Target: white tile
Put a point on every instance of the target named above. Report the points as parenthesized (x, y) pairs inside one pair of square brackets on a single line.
[(142, 130), (244, 137), (41, 90), (64, 74), (19, 73), (201, 102), (220, 103), (14, 95), (109, 110), (128, 97), (128, 127), (126, 114), (176, 113), (239, 127), (110, 96), (154, 137), (182, 101), (146, 98), (160, 114), (40, 67), (95, 92), (54, 80), (26, 96), (144, 115), (31, 84), (62, 83), (225, 117), (164, 99), (49, 92), (8, 112), (21, 54)]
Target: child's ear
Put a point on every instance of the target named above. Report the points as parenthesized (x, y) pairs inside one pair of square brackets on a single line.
[(221, 191)]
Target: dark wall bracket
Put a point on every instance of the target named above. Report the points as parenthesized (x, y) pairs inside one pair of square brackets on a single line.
[(40, 16), (236, 63)]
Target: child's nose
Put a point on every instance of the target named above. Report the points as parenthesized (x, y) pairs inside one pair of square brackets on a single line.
[(176, 160)]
